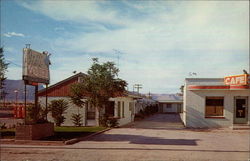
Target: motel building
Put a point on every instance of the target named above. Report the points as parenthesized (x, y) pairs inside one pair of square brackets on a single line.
[(217, 102), (121, 107)]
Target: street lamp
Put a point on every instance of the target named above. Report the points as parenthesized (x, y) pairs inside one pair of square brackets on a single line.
[(16, 92)]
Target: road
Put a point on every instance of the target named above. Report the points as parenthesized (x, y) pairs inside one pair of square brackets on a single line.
[(158, 138)]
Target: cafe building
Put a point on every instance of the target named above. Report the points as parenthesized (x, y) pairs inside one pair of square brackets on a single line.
[(217, 102)]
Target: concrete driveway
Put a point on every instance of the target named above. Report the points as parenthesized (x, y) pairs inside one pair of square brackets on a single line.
[(159, 121), (152, 139)]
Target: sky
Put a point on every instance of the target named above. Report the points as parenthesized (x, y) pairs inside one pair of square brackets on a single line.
[(154, 43)]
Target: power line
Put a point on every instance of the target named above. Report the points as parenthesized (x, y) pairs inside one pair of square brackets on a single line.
[(11, 62)]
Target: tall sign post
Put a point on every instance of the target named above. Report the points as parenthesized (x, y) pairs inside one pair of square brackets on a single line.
[(35, 70)]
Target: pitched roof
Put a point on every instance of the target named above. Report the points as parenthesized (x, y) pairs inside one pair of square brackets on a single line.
[(64, 91), (168, 98), (62, 82)]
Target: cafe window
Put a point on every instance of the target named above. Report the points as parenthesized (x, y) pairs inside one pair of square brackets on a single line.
[(214, 106)]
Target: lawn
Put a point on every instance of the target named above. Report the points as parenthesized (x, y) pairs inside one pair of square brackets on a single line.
[(60, 133), (78, 129)]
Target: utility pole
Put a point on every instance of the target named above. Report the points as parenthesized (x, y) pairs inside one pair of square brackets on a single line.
[(138, 87)]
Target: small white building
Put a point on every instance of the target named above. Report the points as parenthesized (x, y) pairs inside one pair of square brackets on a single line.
[(213, 102), (169, 103)]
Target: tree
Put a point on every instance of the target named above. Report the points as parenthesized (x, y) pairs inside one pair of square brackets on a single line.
[(182, 89), (76, 98), (58, 108), (3, 70), (100, 84)]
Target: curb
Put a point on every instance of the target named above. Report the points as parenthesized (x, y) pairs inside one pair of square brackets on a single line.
[(75, 140), (30, 142)]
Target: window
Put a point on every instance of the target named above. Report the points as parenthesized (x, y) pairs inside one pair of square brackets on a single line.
[(214, 106), (169, 105), (119, 109), (123, 109)]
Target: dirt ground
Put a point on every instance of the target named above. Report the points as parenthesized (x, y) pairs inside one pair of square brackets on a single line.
[(153, 139)]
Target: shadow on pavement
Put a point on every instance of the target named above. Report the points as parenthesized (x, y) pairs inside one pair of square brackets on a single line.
[(138, 139)]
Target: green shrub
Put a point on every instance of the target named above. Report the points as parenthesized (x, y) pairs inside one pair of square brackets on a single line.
[(112, 122), (58, 108), (36, 115), (148, 110), (77, 119), (106, 121)]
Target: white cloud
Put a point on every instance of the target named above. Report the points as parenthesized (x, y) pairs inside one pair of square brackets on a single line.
[(161, 48), (76, 11), (11, 34), (9, 49)]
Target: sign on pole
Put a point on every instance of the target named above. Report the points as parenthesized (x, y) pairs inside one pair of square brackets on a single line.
[(35, 66)]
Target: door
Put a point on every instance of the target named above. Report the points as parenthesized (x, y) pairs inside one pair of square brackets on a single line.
[(110, 109), (240, 110)]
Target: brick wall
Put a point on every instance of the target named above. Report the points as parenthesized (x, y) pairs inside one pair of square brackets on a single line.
[(34, 132)]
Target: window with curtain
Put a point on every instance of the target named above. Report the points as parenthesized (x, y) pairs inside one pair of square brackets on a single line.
[(214, 106)]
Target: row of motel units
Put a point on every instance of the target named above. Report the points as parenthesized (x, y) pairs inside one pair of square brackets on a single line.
[(169, 103), (215, 102), (122, 107)]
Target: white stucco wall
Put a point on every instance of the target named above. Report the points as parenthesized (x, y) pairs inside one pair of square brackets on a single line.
[(184, 114), (194, 107), (173, 108), (128, 114), (71, 109)]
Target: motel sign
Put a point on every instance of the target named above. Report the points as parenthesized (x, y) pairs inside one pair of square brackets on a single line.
[(236, 80)]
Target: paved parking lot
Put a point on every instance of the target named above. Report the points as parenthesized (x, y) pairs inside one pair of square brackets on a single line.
[(152, 139)]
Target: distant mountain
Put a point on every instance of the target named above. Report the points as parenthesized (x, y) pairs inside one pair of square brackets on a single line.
[(12, 85)]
